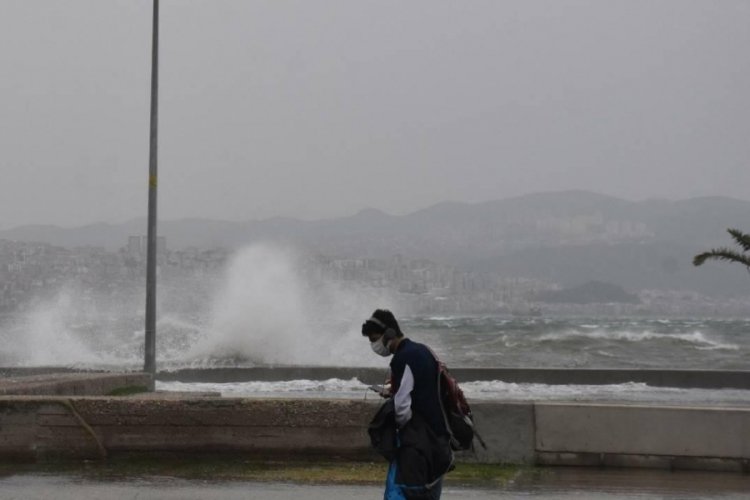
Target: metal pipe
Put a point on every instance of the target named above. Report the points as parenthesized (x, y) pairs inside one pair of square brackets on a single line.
[(150, 329)]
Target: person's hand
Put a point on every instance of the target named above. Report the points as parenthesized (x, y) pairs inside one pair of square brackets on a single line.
[(385, 392)]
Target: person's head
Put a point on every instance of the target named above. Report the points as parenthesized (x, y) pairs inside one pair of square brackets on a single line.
[(383, 332)]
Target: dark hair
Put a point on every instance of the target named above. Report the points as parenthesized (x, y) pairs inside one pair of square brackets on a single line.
[(381, 317)]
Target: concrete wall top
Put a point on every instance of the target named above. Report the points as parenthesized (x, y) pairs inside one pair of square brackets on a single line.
[(588, 376), (649, 430), (76, 384), (517, 432), (559, 376)]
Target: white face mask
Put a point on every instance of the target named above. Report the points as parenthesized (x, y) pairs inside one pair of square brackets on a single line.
[(379, 348)]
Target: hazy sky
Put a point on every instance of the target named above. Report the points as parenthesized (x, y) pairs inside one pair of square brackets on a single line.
[(321, 108)]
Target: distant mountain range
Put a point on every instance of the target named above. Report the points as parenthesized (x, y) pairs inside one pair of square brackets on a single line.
[(568, 237)]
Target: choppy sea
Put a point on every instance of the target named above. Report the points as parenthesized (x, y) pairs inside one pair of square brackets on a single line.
[(113, 343), (485, 341), (536, 342)]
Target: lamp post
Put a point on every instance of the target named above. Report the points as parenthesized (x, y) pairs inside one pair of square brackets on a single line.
[(150, 329)]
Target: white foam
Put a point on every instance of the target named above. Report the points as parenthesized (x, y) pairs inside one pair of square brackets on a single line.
[(442, 318), (41, 336), (627, 392), (331, 388), (477, 391), (698, 338), (268, 312)]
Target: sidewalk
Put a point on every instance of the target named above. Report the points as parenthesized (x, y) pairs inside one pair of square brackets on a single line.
[(541, 484)]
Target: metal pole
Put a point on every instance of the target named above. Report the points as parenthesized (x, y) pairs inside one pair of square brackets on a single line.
[(150, 330)]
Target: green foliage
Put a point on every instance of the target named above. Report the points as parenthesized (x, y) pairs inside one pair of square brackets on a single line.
[(727, 254), (742, 239)]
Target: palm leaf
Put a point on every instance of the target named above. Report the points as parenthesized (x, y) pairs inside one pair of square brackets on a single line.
[(741, 238), (722, 254)]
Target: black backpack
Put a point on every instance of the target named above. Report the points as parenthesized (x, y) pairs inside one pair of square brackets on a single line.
[(456, 411)]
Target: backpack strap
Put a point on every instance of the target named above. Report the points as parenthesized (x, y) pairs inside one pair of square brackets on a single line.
[(453, 441), (440, 368)]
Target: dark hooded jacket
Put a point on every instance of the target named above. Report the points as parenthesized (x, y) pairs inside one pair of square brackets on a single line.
[(422, 456)]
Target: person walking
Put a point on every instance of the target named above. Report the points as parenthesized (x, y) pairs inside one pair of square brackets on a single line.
[(412, 415)]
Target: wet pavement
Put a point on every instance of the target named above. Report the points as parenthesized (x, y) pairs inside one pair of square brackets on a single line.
[(542, 484)]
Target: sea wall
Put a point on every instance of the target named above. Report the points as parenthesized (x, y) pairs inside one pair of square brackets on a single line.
[(72, 384), (643, 436), (706, 379), (33, 428)]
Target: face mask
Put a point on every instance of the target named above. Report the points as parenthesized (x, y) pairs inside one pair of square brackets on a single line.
[(379, 348)]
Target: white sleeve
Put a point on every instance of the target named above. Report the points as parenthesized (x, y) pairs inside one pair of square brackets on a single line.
[(402, 399)]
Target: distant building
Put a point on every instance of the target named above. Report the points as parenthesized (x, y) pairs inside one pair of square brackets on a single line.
[(137, 245), (134, 245)]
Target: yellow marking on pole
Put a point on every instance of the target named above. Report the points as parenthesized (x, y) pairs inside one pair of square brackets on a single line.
[(152, 181)]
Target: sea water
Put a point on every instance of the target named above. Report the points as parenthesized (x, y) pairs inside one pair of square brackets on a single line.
[(495, 341), (588, 342), (266, 310)]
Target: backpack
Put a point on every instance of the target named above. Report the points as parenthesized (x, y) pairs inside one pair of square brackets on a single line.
[(456, 411)]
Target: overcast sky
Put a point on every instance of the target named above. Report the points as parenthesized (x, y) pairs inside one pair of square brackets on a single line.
[(321, 108)]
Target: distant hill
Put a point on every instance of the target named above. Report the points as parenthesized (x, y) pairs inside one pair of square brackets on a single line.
[(567, 237)]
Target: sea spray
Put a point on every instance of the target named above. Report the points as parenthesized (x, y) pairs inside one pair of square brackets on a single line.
[(267, 306), (273, 305), (43, 334), (269, 311), (76, 325)]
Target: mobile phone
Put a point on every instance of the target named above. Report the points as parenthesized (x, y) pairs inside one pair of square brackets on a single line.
[(377, 388)]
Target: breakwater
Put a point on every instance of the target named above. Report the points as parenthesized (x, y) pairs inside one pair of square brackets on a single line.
[(71, 416), (704, 379), (35, 427), (698, 379)]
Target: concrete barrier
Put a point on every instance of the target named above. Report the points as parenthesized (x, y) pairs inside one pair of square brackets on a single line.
[(72, 384), (643, 436), (508, 431), (39, 427), (33, 428), (707, 379)]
